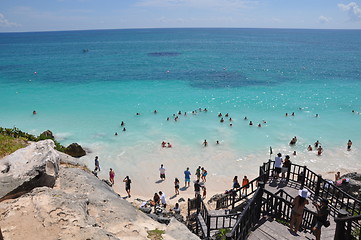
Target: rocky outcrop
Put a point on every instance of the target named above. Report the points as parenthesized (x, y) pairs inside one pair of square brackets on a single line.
[(75, 150), (34, 166), (353, 184), (79, 206), (47, 135)]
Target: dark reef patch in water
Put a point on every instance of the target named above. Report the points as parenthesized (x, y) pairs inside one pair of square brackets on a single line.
[(163, 54)]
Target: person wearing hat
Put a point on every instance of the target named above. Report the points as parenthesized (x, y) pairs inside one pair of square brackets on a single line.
[(321, 217), (298, 204)]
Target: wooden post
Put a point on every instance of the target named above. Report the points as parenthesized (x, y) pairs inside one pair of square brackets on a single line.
[(340, 226), (317, 190), (208, 226), (233, 198), (1, 235)]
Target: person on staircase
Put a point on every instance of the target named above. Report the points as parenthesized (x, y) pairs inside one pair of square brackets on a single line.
[(298, 204)]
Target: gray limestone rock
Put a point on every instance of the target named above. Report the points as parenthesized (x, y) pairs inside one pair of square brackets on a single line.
[(36, 165)]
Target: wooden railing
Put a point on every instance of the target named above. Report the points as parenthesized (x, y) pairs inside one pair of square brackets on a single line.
[(279, 205), (248, 218), (234, 196), (209, 222), (346, 228)]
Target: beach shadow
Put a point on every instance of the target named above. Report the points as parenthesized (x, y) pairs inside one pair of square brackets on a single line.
[(183, 188), (159, 181), (174, 196)]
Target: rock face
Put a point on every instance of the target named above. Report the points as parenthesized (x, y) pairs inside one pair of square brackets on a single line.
[(47, 135), (75, 150), (34, 166), (79, 206)]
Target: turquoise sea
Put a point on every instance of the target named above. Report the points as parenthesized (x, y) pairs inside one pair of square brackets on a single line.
[(84, 83)]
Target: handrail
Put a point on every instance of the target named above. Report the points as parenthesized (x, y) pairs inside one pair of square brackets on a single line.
[(248, 218), (348, 218), (234, 196)]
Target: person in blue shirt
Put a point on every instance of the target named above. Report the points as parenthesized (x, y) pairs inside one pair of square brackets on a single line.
[(187, 177)]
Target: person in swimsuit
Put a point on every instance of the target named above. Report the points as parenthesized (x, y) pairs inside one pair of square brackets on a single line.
[(298, 204), (176, 186), (349, 144), (111, 176)]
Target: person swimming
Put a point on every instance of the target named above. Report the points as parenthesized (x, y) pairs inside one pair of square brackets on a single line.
[(205, 143), (250, 123), (34, 112)]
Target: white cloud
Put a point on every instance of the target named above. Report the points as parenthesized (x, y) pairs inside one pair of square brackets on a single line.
[(354, 10), (6, 23), (197, 3), (323, 19)]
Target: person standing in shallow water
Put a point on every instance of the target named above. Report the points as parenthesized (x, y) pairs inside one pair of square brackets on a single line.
[(349, 144)]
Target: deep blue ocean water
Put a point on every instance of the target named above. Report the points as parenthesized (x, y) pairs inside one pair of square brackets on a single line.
[(84, 83)]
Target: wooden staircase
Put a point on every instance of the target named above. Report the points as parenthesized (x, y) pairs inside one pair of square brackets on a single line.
[(270, 229)]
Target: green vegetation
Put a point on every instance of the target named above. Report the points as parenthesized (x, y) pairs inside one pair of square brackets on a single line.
[(222, 234), (9, 144), (155, 234), (17, 136)]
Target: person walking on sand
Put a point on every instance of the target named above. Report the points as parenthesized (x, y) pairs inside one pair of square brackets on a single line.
[(187, 177), (198, 173), (297, 210), (96, 162), (176, 186), (127, 185), (162, 172), (349, 144), (204, 174), (111, 176)]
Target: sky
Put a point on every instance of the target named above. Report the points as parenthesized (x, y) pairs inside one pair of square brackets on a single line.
[(55, 15)]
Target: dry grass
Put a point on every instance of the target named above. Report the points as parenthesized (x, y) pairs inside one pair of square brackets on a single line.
[(9, 145)]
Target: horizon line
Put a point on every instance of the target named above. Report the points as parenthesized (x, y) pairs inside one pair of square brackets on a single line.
[(149, 28)]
